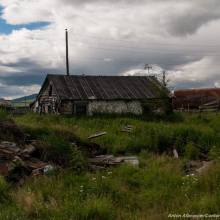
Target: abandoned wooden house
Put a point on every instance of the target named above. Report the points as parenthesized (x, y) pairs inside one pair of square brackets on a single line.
[(85, 95)]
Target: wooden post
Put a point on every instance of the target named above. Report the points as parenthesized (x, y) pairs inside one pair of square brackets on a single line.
[(67, 58), (217, 107), (25, 104)]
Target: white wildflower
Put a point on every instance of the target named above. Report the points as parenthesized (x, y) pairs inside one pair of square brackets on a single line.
[(93, 179), (103, 177), (109, 172), (81, 186), (81, 190)]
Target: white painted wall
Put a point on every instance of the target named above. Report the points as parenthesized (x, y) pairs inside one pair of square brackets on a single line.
[(35, 107), (116, 106)]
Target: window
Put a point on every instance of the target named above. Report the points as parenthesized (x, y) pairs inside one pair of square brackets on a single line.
[(80, 109)]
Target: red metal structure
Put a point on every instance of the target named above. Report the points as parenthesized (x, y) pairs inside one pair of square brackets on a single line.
[(193, 98)]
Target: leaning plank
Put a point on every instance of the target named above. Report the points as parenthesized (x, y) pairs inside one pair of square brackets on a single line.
[(209, 106), (209, 110), (216, 101), (95, 135)]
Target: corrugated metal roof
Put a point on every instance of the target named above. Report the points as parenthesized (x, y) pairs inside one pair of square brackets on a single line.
[(105, 87)]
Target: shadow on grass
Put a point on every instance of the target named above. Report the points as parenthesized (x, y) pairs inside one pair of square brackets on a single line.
[(174, 117)]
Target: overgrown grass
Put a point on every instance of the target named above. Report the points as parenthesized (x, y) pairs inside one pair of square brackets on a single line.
[(148, 132), (155, 189), (3, 114)]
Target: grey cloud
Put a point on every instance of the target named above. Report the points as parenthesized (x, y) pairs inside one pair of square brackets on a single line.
[(188, 22)]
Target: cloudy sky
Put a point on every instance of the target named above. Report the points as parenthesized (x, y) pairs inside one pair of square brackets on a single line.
[(108, 37)]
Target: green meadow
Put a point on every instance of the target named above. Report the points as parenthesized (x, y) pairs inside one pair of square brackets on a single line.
[(155, 189)]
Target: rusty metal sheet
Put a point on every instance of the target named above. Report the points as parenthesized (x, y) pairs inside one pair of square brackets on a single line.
[(193, 98)]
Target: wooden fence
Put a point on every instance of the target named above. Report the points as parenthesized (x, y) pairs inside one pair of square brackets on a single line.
[(210, 107)]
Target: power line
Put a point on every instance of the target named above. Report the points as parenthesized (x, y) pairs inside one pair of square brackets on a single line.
[(126, 51), (141, 48), (30, 42), (185, 45), (43, 46), (140, 62)]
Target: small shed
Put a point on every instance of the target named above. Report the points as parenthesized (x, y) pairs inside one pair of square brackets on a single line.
[(84, 95), (6, 104)]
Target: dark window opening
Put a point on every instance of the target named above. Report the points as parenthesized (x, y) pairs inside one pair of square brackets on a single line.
[(49, 109), (50, 90), (81, 110)]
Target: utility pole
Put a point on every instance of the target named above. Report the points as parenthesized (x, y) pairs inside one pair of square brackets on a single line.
[(164, 79), (67, 61), (147, 67), (25, 103)]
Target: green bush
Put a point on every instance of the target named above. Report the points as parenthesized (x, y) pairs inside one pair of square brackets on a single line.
[(191, 152)]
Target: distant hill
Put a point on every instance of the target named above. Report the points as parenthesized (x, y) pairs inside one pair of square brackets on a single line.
[(19, 102), (27, 98)]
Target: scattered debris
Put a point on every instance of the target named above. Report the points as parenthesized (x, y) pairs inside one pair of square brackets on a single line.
[(95, 135), (205, 166), (29, 149), (175, 153), (110, 160), (12, 147), (126, 129), (48, 169)]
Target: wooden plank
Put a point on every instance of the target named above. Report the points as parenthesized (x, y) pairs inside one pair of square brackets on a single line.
[(5, 151), (209, 106), (95, 135), (119, 160), (96, 160), (216, 101), (209, 110)]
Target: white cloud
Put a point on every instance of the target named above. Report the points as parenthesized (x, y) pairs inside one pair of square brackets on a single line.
[(162, 26)]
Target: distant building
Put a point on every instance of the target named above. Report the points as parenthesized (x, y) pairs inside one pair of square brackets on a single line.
[(193, 98), (5, 103), (85, 95)]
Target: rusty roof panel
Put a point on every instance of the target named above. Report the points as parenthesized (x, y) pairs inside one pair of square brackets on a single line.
[(194, 97)]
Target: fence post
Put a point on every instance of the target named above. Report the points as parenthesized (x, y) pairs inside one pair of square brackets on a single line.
[(217, 107)]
